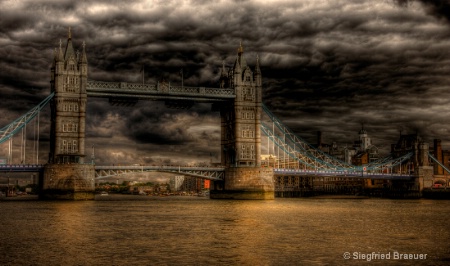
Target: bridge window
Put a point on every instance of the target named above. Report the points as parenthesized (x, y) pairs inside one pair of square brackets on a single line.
[(70, 126), (75, 107), (248, 115), (248, 94), (64, 146), (65, 107), (70, 108), (247, 152), (247, 132), (74, 146)]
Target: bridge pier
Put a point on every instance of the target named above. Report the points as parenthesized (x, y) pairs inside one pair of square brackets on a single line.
[(424, 172), (67, 182), (245, 184)]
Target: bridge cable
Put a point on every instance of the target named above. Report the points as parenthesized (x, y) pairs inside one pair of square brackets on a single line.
[(310, 152), (8, 131)]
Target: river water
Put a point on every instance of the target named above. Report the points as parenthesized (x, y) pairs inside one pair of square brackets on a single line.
[(144, 230)]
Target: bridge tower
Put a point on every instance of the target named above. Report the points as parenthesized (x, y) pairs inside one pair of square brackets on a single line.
[(241, 136), (66, 176)]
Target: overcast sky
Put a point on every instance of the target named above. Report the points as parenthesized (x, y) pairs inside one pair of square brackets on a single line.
[(326, 65)]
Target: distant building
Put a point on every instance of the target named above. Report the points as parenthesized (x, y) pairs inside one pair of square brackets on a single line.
[(362, 151), (188, 183), (269, 160), (443, 156), (365, 151), (331, 149), (348, 154), (176, 182)]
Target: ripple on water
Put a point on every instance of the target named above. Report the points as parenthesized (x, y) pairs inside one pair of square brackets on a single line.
[(198, 231)]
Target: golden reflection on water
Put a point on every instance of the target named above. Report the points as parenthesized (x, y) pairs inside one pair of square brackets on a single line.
[(199, 231)]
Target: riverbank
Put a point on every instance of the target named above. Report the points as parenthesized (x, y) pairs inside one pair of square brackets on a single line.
[(109, 197)]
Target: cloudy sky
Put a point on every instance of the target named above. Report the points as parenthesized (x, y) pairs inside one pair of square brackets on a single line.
[(327, 65)]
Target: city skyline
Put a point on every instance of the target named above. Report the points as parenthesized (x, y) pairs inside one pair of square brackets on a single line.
[(327, 66)]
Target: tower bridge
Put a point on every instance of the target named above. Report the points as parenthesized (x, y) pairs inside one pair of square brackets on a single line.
[(243, 117)]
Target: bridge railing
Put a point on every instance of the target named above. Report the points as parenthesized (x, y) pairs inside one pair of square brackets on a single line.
[(21, 167)]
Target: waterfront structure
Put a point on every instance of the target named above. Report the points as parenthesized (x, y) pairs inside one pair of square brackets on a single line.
[(66, 176), (241, 135), (239, 100)]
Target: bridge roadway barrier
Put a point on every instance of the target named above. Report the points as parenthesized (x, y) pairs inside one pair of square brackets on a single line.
[(21, 167)]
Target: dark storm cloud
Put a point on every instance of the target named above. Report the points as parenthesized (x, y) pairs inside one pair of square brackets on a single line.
[(327, 65), (439, 8)]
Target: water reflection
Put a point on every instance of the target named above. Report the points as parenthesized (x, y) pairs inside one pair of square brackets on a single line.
[(198, 231)]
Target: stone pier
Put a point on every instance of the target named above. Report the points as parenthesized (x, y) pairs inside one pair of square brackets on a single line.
[(68, 182), (245, 184)]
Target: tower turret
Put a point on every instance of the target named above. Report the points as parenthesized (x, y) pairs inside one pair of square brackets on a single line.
[(224, 80), (257, 74)]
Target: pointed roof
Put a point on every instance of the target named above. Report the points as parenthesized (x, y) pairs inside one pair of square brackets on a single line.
[(223, 73), (69, 47), (55, 57), (60, 56), (257, 69), (240, 60), (83, 58)]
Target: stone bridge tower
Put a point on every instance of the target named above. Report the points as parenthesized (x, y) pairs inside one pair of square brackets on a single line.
[(66, 176), (241, 136)]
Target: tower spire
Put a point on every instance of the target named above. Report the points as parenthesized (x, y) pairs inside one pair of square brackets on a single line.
[(83, 58), (240, 49), (224, 73), (257, 69), (60, 52), (70, 34)]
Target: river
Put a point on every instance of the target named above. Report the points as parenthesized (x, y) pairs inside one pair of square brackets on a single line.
[(144, 230)]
